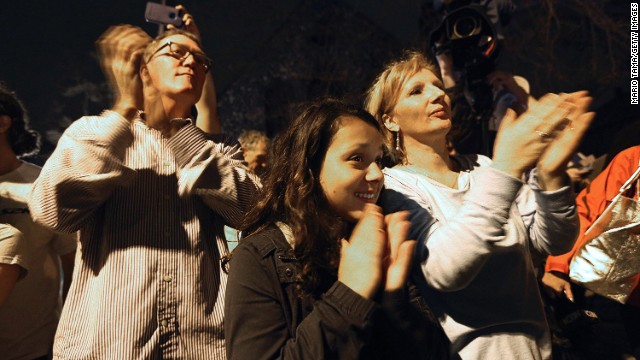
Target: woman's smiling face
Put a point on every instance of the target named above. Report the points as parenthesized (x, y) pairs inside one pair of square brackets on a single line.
[(350, 175)]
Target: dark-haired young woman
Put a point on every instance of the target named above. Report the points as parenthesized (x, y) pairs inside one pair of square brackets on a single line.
[(296, 287)]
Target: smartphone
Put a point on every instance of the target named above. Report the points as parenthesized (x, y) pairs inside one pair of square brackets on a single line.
[(163, 14)]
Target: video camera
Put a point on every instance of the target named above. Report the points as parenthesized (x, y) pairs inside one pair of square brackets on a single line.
[(472, 40)]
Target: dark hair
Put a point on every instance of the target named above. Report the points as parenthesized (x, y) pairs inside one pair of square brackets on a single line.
[(292, 193), (23, 140)]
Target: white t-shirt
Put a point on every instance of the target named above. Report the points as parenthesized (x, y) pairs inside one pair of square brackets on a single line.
[(473, 250), (29, 317)]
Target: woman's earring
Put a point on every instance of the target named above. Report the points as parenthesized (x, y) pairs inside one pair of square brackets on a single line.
[(398, 148)]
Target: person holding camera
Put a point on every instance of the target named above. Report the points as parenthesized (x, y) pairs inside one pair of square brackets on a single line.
[(149, 194), (472, 122), (467, 45), (473, 217)]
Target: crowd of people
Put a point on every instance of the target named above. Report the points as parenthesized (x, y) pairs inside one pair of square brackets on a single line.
[(364, 236)]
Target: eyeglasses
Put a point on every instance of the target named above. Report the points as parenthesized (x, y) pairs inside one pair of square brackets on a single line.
[(181, 52)]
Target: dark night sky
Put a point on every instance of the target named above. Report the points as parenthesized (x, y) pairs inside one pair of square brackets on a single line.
[(42, 39), (48, 46)]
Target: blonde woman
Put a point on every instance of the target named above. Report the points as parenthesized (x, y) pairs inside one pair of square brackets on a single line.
[(474, 217)]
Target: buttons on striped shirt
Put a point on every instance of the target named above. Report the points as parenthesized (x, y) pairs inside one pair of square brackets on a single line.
[(164, 323), (167, 278)]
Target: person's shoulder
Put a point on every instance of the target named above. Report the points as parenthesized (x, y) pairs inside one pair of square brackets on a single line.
[(105, 119), (29, 170), (482, 160), (472, 161), (109, 129), (398, 173), (14, 248), (622, 165), (629, 154), (25, 172), (7, 231), (103, 116), (256, 251), (263, 242), (400, 179)]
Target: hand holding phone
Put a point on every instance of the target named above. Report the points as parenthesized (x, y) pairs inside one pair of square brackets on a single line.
[(163, 14)]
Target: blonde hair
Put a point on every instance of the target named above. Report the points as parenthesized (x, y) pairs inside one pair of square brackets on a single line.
[(383, 95)]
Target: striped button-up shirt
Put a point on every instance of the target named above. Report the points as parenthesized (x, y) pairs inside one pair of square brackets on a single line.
[(150, 213)]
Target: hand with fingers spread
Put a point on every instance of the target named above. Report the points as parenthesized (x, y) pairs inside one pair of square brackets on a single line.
[(120, 49), (377, 253), (521, 141), (552, 164)]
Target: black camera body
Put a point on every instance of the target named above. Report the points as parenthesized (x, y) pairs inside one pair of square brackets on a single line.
[(472, 40)]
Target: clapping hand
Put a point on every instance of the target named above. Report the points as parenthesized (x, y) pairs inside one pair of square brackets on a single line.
[(377, 253), (120, 49), (546, 135), (553, 162), (400, 251), (501, 79)]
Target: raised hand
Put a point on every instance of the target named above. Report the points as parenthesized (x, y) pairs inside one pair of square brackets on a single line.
[(207, 105), (499, 79), (398, 263), (445, 62), (553, 162), (377, 253), (120, 49), (361, 258), (188, 23), (521, 141)]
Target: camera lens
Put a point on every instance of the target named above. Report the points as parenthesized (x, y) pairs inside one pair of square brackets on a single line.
[(465, 26), (172, 15)]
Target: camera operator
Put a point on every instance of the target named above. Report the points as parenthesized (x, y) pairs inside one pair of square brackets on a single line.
[(466, 46)]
